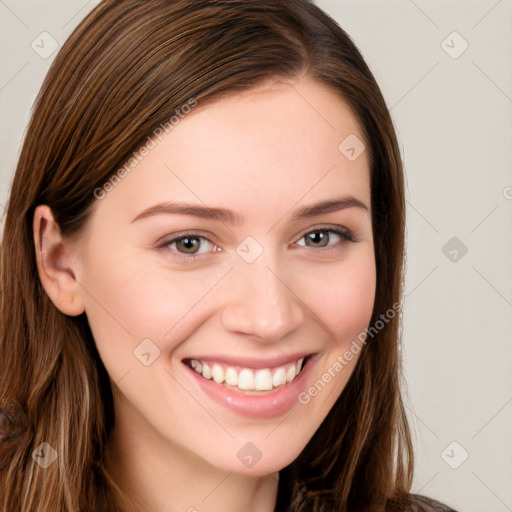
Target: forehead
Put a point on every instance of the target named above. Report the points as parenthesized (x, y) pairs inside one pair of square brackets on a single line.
[(263, 149)]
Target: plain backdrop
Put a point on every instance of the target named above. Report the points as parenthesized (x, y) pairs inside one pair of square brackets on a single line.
[(445, 71)]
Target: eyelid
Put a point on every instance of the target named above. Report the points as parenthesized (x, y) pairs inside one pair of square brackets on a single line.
[(344, 232), (165, 242), (173, 237)]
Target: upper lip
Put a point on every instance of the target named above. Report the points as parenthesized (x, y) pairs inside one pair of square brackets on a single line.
[(250, 362)]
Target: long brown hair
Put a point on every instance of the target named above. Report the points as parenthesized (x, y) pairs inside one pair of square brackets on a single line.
[(126, 70)]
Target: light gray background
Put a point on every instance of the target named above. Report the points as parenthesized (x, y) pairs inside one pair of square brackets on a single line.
[(453, 117)]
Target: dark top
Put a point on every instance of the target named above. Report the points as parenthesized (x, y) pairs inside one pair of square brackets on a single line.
[(420, 504)]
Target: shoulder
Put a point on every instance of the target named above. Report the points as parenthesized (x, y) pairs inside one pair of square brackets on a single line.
[(424, 504)]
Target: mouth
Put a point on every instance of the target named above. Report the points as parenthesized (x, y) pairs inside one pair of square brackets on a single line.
[(246, 378), (254, 389)]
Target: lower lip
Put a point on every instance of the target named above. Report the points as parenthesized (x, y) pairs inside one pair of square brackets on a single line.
[(268, 405)]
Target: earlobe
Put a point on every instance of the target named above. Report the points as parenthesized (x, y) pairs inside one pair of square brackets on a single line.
[(54, 263)]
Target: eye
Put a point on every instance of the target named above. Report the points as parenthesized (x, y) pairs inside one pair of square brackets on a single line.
[(188, 247), (189, 244), (321, 237)]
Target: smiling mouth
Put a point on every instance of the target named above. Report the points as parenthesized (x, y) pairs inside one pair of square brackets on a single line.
[(241, 378)]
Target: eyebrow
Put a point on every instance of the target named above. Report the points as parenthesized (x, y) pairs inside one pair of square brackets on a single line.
[(231, 217)]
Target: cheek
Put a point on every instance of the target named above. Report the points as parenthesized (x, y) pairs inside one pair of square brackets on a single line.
[(343, 296), (131, 298), (344, 306)]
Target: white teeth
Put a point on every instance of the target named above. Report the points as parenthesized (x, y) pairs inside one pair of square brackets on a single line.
[(263, 380), (299, 366), (279, 377), (248, 379), (231, 377), (198, 367), (218, 374), (207, 373)]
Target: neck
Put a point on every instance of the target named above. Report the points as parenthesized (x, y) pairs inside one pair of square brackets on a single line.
[(163, 477)]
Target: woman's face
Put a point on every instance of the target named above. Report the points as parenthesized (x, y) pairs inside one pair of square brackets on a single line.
[(239, 246)]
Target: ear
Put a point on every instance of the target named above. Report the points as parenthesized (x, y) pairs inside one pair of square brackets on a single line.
[(54, 258)]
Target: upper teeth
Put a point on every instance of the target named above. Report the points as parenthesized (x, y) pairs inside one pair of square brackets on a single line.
[(248, 379)]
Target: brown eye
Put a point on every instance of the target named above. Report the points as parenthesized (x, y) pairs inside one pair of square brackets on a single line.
[(188, 244), (320, 238), (317, 239)]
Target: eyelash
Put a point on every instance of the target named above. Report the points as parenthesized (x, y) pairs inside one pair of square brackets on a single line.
[(345, 235)]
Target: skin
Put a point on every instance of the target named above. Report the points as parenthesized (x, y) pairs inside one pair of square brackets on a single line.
[(263, 154)]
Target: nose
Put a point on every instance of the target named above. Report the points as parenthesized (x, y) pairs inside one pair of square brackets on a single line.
[(261, 303)]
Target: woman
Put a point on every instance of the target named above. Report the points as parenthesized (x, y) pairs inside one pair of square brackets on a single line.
[(202, 271)]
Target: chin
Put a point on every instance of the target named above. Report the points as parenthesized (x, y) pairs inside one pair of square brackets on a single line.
[(260, 455)]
